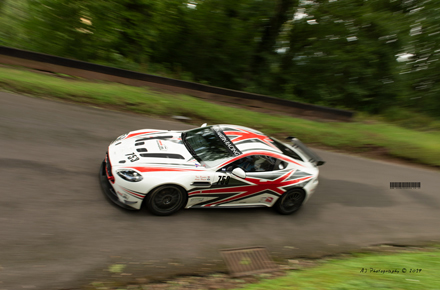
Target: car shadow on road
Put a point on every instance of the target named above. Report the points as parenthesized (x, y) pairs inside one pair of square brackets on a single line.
[(353, 194), (330, 191)]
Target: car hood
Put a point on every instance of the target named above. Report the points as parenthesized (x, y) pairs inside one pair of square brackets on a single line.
[(150, 147)]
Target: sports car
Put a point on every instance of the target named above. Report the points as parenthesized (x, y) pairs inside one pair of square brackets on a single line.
[(218, 166)]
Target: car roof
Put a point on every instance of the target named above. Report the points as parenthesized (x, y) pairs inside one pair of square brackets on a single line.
[(248, 139)]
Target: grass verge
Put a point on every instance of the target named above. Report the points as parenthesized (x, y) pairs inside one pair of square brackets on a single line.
[(359, 136), (417, 270), (384, 267)]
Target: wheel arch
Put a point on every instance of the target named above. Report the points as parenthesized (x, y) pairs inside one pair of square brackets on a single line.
[(147, 195), (276, 205), (294, 188)]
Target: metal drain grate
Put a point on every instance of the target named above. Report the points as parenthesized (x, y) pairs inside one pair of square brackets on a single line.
[(248, 261)]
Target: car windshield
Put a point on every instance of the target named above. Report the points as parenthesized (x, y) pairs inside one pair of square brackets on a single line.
[(205, 145)]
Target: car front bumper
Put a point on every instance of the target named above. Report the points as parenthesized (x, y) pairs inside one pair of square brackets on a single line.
[(108, 189)]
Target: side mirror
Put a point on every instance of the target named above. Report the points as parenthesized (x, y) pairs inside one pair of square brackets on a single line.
[(239, 172)]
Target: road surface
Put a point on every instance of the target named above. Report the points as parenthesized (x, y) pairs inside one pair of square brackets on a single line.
[(57, 230)]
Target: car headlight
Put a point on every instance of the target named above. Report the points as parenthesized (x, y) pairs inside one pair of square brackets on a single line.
[(130, 175)]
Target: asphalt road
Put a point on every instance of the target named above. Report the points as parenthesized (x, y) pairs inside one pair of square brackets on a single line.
[(57, 230)]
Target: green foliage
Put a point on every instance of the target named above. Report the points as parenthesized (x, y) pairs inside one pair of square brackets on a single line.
[(12, 15), (336, 53), (421, 74), (410, 119), (215, 41), (340, 56)]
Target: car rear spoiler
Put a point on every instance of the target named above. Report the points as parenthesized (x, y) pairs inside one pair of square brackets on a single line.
[(313, 157)]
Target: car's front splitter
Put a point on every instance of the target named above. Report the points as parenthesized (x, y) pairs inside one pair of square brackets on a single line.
[(108, 190)]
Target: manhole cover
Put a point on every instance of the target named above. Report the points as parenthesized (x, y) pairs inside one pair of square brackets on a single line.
[(248, 261)]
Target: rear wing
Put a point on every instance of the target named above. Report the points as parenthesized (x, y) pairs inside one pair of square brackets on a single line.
[(313, 157)]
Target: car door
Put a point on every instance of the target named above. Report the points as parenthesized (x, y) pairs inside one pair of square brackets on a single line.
[(259, 188), (260, 185), (226, 188), (267, 174)]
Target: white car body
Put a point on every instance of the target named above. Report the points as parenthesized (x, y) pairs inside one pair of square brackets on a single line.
[(162, 158)]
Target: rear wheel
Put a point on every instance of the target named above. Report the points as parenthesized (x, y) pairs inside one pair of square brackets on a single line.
[(290, 201), (166, 200)]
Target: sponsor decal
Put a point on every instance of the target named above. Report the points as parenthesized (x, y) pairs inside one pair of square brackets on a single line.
[(161, 145), (266, 199), (202, 178), (234, 150)]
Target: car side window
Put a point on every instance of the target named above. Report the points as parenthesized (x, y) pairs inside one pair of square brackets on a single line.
[(286, 150), (280, 165), (256, 163)]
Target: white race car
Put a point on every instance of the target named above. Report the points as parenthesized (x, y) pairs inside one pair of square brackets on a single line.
[(211, 166)]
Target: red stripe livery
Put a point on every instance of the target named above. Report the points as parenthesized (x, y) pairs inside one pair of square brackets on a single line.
[(246, 135), (140, 133), (257, 186)]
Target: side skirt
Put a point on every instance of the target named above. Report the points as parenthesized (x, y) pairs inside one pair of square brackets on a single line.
[(230, 206)]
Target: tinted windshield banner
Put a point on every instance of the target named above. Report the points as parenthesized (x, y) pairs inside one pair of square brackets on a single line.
[(231, 147)]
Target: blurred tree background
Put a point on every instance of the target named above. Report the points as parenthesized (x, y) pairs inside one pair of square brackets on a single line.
[(376, 56)]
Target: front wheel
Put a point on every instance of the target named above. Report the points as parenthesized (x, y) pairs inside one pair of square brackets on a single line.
[(166, 200), (290, 201)]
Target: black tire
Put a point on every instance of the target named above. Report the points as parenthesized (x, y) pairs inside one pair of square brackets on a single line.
[(166, 200), (290, 201)]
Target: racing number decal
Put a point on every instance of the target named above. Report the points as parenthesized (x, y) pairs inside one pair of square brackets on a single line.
[(132, 157), (223, 180)]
